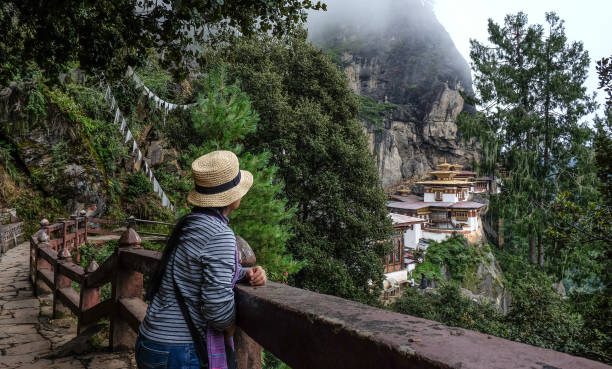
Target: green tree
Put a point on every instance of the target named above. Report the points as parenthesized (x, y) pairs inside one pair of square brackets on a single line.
[(221, 121), (530, 86), (448, 306), (110, 35), (308, 123), (604, 69)]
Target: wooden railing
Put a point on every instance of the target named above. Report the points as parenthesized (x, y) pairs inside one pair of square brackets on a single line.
[(303, 328)]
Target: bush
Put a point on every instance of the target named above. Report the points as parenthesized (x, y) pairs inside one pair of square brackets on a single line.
[(137, 184), (455, 254), (451, 308)]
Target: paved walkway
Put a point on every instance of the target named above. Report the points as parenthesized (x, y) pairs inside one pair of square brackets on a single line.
[(29, 337)]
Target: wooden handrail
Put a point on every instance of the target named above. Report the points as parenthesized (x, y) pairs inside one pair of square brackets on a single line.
[(104, 273)]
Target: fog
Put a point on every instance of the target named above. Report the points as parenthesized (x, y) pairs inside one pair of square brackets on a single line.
[(365, 15)]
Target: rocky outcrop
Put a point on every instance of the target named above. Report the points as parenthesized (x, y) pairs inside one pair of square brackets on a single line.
[(405, 57), (483, 282), (63, 167)]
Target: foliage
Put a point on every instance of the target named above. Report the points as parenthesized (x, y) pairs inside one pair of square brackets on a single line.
[(373, 112), (595, 309), (604, 69), (98, 253), (309, 124), (450, 307), (538, 316), (603, 155), (110, 35), (530, 86), (6, 159), (454, 253), (222, 120), (137, 184), (541, 317), (269, 361), (104, 137), (582, 238)]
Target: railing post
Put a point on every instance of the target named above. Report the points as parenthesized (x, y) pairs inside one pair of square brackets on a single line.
[(76, 240), (248, 352), (64, 226), (126, 283), (60, 281), (90, 297), (83, 214), (38, 263)]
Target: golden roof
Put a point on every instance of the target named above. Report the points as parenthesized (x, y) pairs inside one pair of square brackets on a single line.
[(443, 172), (445, 182), (445, 165)]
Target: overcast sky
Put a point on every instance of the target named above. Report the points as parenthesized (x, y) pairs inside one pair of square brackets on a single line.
[(589, 21)]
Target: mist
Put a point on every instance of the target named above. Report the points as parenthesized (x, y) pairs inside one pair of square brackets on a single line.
[(366, 16)]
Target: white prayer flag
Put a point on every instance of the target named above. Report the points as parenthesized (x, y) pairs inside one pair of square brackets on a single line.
[(134, 146), (112, 106), (123, 125), (107, 94), (128, 136), (139, 156), (155, 185), (150, 175), (117, 116), (123, 122), (164, 200)]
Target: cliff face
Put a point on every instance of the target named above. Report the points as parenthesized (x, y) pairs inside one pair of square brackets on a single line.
[(403, 56)]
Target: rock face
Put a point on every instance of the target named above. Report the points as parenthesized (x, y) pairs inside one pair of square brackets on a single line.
[(484, 283), (63, 167), (402, 55)]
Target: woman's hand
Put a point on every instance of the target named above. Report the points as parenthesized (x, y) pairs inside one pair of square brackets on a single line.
[(256, 276)]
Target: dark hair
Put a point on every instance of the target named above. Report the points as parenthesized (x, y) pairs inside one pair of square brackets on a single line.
[(156, 280)]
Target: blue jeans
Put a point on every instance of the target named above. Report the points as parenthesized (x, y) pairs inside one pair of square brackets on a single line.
[(155, 355)]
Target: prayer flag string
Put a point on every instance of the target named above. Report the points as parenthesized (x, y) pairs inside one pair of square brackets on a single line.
[(127, 135)]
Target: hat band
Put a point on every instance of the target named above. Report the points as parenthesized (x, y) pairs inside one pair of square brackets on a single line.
[(220, 188)]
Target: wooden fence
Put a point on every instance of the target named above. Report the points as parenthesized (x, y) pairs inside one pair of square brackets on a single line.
[(54, 257)]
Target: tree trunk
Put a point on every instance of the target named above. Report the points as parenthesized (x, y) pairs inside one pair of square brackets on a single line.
[(533, 257), (540, 251)]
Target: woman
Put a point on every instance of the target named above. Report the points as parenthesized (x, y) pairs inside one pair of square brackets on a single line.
[(190, 321)]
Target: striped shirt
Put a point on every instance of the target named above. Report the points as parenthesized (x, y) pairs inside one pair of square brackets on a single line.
[(203, 266)]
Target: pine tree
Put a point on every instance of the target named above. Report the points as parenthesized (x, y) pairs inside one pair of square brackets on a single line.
[(530, 88), (221, 121)]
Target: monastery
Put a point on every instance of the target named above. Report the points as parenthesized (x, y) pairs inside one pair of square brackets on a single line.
[(446, 208)]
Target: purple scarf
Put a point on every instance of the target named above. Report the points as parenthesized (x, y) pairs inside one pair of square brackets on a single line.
[(215, 340)]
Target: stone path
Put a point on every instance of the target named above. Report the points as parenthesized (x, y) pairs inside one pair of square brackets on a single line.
[(28, 334)]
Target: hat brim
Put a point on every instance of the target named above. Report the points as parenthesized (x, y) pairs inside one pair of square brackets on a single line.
[(224, 198)]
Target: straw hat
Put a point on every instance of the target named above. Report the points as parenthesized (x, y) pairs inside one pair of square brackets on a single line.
[(218, 180)]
